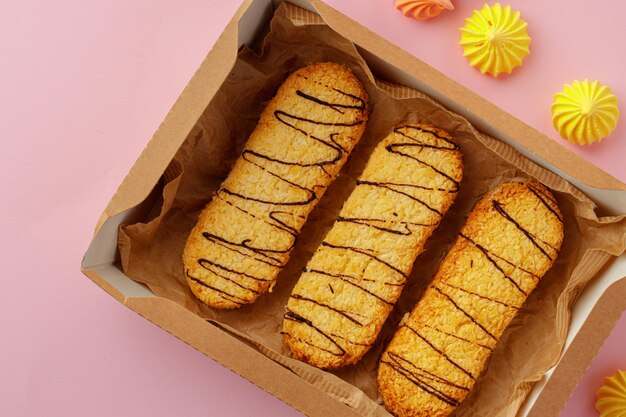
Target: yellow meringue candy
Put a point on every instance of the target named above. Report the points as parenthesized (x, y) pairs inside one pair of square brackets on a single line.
[(612, 396), (423, 9), (585, 112), (495, 39)]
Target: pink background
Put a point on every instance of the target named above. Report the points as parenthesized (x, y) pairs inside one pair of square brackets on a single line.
[(84, 84)]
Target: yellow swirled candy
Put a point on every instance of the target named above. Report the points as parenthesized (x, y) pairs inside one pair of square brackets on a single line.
[(612, 396), (585, 112), (495, 39), (423, 9)]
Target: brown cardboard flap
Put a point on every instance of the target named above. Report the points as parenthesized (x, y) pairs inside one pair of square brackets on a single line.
[(577, 359)]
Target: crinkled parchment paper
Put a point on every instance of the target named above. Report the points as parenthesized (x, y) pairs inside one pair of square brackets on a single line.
[(151, 251)]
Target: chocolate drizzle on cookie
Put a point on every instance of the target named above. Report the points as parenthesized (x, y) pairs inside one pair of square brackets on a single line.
[(400, 144), (284, 215), (425, 380), (468, 304)]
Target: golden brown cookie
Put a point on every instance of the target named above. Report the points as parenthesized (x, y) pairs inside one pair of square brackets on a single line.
[(352, 282), (245, 234), (509, 241)]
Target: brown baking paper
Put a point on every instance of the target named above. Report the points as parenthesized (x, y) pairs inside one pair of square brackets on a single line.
[(151, 251)]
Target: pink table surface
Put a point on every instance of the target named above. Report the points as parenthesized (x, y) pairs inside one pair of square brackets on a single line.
[(83, 86)]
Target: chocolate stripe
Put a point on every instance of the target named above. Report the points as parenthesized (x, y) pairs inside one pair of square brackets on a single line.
[(498, 207), (290, 315), (440, 352), (469, 316), (329, 307), (487, 253)]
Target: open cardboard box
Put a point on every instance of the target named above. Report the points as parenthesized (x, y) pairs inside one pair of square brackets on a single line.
[(593, 316)]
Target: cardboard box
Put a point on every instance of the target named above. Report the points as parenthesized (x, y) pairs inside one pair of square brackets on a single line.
[(594, 314)]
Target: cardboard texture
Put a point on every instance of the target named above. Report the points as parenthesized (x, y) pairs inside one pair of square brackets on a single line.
[(203, 134), (582, 351)]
